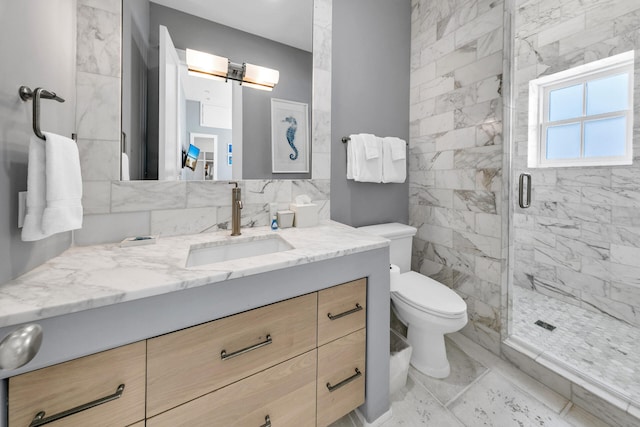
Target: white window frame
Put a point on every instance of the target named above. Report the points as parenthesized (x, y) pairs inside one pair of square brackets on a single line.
[(539, 90)]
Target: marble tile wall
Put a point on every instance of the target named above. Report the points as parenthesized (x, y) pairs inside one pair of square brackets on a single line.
[(456, 154), (115, 209), (580, 240)]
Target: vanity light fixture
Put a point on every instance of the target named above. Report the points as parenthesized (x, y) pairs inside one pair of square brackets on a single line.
[(204, 64), (259, 77)]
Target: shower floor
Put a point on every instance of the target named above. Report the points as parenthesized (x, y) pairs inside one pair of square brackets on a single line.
[(593, 345)]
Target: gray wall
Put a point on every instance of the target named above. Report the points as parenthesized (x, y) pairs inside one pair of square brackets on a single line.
[(135, 46), (38, 51), (370, 94), (295, 66), (224, 137)]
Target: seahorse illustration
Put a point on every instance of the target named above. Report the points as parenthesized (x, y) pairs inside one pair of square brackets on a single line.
[(291, 135)]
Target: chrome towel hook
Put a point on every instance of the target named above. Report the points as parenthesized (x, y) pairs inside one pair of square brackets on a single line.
[(26, 94)]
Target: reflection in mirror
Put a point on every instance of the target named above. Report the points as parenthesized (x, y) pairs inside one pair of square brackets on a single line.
[(165, 110)]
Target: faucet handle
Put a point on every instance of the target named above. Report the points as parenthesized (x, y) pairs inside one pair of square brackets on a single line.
[(234, 182)]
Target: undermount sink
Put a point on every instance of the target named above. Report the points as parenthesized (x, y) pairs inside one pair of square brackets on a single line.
[(229, 250)]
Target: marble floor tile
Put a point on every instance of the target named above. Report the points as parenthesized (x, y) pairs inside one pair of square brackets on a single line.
[(344, 422), (494, 401), (592, 344), (415, 406), (488, 391), (578, 417), (464, 370), (533, 387)]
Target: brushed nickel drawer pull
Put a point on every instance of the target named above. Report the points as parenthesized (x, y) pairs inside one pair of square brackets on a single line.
[(346, 313), (40, 420), (344, 382), (225, 356), (267, 422)]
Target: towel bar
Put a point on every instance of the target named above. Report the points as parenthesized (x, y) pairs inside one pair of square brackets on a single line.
[(345, 139), (26, 94)]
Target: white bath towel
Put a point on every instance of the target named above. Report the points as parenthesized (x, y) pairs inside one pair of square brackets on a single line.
[(366, 169), (350, 158), (125, 167), (394, 163), (36, 192)]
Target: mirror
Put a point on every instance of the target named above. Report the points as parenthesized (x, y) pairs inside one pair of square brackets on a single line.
[(233, 131)]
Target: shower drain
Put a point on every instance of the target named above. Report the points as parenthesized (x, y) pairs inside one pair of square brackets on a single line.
[(545, 325)]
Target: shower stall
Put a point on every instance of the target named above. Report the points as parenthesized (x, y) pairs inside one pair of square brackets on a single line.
[(574, 190)]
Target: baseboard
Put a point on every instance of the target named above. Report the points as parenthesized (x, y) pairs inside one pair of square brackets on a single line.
[(377, 422)]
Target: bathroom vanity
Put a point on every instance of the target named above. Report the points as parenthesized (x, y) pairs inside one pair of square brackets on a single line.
[(298, 335)]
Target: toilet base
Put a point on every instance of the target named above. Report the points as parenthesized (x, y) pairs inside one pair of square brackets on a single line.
[(429, 354)]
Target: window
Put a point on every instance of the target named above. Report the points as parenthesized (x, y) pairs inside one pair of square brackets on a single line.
[(583, 116)]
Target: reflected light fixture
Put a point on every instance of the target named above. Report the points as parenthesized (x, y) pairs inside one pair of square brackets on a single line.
[(204, 64)]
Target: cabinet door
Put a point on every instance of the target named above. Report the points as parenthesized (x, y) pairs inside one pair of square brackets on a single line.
[(341, 377), (284, 393), (186, 364), (72, 384), (341, 310)]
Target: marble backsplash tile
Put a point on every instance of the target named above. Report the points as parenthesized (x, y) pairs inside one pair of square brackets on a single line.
[(98, 41)]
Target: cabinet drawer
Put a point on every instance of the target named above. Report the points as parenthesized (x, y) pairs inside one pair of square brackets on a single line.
[(71, 384), (340, 387), (347, 306), (187, 364), (285, 393)]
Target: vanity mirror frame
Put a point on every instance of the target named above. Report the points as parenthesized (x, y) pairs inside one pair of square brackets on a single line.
[(98, 122)]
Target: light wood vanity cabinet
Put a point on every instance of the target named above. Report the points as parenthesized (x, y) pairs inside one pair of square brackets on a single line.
[(341, 350), (186, 364), (283, 395), (298, 362), (70, 385), (341, 310)]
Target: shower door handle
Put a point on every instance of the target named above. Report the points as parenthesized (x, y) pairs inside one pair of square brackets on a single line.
[(524, 177)]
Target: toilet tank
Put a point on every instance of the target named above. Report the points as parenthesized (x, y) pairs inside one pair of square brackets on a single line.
[(401, 236)]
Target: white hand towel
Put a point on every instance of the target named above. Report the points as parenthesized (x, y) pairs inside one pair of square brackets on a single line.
[(125, 168), (350, 158), (372, 146), (63, 211), (36, 188), (367, 170), (394, 165)]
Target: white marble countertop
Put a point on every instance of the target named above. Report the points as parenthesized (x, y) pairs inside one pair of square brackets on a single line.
[(88, 277)]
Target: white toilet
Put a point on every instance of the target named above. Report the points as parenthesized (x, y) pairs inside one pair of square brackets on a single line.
[(427, 307)]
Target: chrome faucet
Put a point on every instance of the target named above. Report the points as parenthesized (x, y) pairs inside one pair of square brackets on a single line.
[(236, 205)]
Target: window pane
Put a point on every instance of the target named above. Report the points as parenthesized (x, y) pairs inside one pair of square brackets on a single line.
[(608, 94), (605, 138), (565, 103), (563, 142)]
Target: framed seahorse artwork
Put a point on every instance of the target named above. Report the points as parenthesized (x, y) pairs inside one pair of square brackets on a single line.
[(289, 136)]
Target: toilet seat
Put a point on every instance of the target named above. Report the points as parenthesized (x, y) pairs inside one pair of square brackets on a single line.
[(430, 296)]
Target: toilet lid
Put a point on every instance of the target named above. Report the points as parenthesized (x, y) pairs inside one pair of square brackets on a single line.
[(429, 295)]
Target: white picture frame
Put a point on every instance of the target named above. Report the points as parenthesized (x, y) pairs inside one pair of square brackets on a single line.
[(289, 136)]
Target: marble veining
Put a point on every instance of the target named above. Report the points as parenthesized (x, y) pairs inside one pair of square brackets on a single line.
[(94, 276), (591, 344), (482, 390)]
